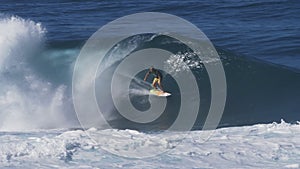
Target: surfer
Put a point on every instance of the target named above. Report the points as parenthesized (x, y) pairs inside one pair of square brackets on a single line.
[(157, 79)]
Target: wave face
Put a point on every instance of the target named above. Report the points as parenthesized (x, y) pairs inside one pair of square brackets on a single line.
[(257, 91), (36, 82), (27, 100)]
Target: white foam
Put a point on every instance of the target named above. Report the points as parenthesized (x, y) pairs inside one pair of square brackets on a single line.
[(185, 61), (259, 146), (18, 37)]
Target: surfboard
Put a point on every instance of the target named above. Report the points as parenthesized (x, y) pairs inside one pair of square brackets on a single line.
[(159, 93)]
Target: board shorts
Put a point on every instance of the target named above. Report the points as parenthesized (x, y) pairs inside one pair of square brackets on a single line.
[(156, 80)]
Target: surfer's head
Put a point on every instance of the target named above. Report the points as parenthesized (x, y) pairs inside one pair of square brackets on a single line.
[(151, 69)]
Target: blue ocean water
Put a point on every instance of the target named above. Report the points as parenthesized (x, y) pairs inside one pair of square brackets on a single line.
[(259, 42), (267, 29)]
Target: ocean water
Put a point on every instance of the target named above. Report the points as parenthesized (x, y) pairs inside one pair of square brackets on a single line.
[(258, 43)]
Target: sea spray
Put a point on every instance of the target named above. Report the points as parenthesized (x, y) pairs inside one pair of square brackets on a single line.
[(27, 101)]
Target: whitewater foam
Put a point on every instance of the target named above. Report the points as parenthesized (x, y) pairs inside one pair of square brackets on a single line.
[(27, 101), (274, 145)]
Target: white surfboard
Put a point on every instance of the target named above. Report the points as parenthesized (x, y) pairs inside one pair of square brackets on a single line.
[(159, 93)]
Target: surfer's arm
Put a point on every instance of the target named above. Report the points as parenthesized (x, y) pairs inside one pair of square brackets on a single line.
[(146, 76)]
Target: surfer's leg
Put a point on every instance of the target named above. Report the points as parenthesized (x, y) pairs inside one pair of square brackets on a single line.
[(154, 83), (159, 83)]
